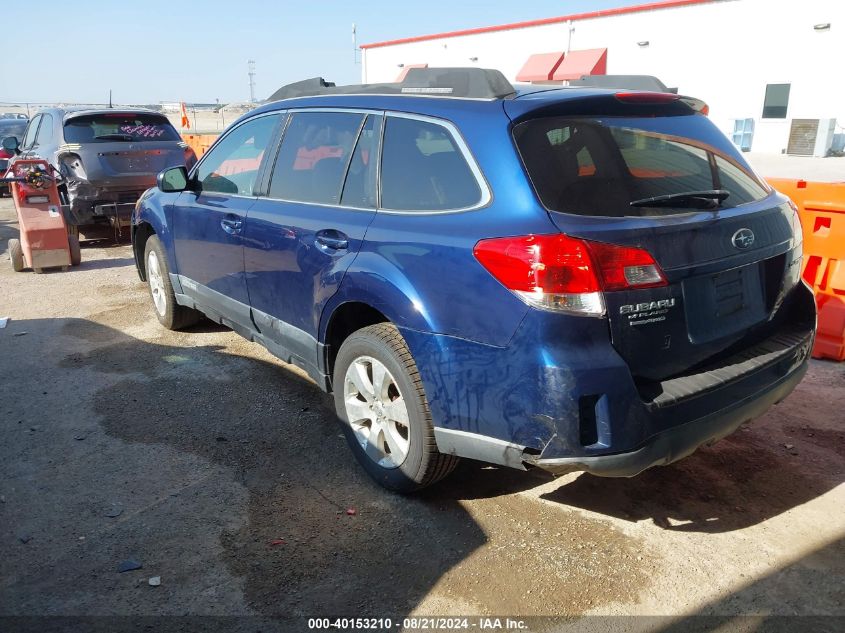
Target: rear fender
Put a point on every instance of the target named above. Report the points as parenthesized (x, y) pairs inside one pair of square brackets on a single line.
[(374, 281)]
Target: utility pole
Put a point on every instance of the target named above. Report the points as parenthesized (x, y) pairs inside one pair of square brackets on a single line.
[(251, 65), (354, 44)]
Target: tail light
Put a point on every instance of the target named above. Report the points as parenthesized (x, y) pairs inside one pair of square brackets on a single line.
[(558, 272), (190, 157)]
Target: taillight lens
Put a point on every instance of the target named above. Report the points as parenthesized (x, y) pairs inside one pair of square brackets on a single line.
[(190, 157), (625, 267), (558, 272)]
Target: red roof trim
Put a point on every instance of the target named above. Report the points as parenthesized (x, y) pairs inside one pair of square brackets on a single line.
[(665, 4)]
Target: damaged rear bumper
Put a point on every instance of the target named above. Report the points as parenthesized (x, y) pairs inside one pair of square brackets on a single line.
[(579, 408), (664, 448), (90, 201), (677, 442)]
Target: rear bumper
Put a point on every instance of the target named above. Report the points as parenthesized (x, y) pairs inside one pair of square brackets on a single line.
[(85, 196), (677, 442), (575, 406)]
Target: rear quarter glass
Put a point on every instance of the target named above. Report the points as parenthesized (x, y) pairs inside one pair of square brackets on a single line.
[(598, 166)]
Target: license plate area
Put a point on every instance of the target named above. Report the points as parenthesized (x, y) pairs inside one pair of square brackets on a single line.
[(724, 303)]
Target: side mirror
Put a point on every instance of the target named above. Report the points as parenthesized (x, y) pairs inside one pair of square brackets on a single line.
[(173, 179), (10, 144)]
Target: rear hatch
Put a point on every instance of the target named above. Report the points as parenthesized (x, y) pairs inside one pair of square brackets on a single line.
[(621, 172), (123, 148)]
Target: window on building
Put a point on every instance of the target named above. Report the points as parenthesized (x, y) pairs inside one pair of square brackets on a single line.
[(314, 155), (422, 168), (743, 134), (776, 102)]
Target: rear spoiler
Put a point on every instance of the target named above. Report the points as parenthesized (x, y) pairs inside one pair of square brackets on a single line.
[(649, 83)]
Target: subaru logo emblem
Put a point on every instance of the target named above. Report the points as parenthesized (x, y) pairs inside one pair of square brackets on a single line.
[(743, 239)]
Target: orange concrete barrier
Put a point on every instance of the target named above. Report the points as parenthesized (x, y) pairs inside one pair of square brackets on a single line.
[(830, 340), (199, 142), (821, 207)]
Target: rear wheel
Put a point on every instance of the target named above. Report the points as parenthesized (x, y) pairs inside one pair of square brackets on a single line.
[(381, 404), (16, 255), (75, 251), (170, 314)]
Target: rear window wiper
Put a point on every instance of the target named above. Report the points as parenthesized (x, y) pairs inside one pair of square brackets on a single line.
[(116, 137), (688, 199)]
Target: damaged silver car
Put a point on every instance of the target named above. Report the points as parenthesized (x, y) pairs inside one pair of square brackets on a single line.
[(107, 158)]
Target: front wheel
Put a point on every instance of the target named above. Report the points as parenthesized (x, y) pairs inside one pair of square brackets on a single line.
[(383, 410), (170, 314)]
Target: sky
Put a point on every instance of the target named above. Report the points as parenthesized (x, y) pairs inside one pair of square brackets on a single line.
[(182, 50)]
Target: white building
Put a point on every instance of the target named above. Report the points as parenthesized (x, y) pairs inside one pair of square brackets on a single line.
[(772, 71)]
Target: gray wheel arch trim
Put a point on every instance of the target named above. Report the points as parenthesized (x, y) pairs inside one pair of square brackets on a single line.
[(481, 447)]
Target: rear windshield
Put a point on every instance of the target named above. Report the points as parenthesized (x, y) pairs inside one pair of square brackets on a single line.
[(115, 127), (599, 166)]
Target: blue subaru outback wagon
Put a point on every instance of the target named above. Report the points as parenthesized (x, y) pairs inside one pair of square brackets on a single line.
[(568, 279)]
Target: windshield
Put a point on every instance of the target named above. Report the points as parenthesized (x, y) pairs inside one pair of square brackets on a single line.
[(117, 126), (601, 166)]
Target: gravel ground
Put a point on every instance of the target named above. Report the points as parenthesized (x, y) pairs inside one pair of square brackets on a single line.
[(222, 471)]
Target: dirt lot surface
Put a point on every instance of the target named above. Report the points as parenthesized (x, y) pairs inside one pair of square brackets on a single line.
[(222, 471)]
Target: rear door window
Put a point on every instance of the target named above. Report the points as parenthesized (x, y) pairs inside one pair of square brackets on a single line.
[(314, 156), (119, 126), (424, 169), (599, 167)]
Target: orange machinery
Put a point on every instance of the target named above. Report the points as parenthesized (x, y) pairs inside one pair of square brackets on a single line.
[(45, 242)]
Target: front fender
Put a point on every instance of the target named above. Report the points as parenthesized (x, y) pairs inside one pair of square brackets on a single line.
[(154, 208)]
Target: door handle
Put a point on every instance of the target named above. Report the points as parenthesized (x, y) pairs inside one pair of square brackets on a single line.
[(333, 240), (232, 225)]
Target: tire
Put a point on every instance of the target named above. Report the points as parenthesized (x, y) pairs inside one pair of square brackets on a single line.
[(16, 255), (401, 457), (75, 251), (170, 314)]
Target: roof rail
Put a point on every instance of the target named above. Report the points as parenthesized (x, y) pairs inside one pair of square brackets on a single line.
[(625, 82), (467, 83)]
